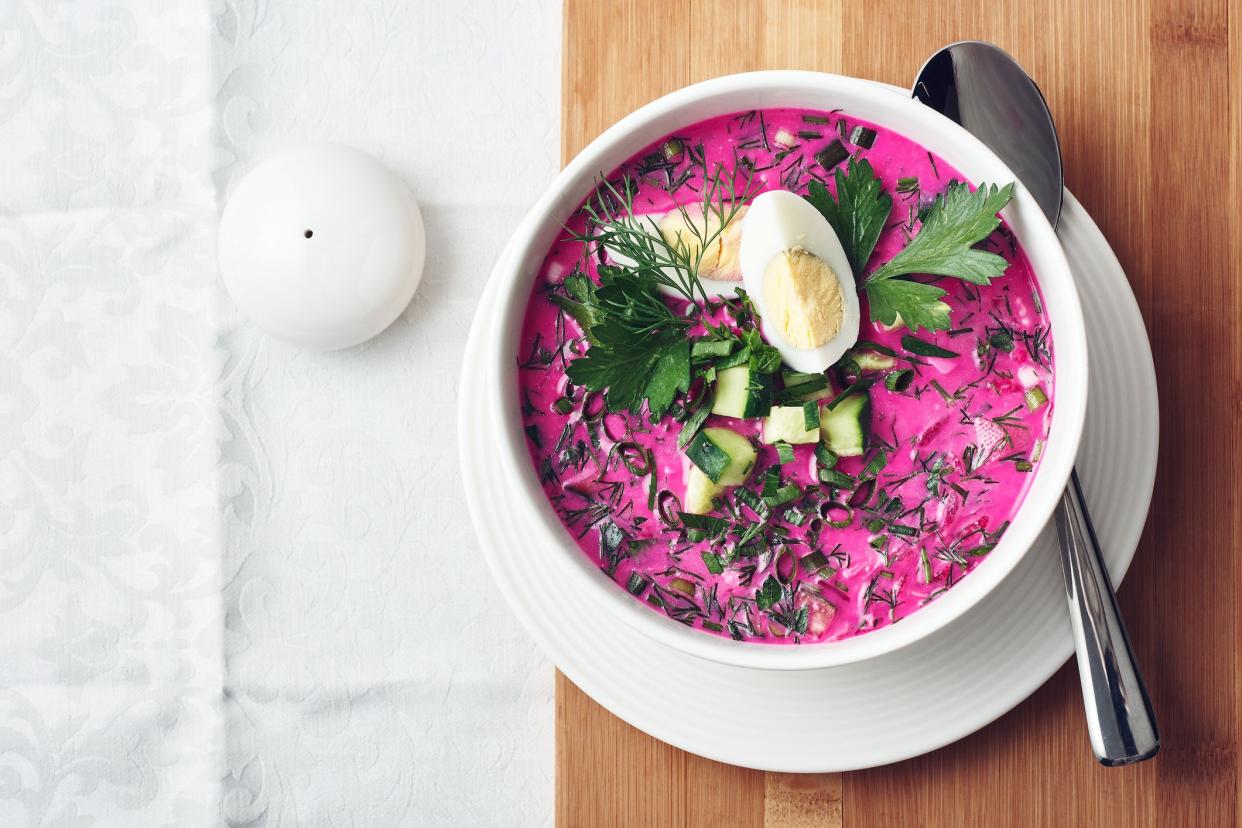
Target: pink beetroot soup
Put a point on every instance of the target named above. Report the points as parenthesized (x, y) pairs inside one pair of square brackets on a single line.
[(953, 443)]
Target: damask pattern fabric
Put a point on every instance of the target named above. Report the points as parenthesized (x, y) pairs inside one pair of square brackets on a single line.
[(237, 580)]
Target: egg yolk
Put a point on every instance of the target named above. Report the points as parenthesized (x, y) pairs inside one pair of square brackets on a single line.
[(803, 298), (719, 260)]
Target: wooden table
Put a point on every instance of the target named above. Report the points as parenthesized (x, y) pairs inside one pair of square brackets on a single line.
[(1148, 98)]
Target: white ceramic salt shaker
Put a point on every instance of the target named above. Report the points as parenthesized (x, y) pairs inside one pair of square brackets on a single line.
[(321, 246)]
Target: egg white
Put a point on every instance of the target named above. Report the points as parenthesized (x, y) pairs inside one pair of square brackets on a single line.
[(649, 223), (778, 221)]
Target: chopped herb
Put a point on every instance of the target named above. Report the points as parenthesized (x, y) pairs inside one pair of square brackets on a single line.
[(785, 494), (841, 480), (857, 213), (810, 414), (924, 348), (768, 594), (711, 348), (945, 246), (863, 137), (899, 380), (639, 350), (784, 451), (832, 155)]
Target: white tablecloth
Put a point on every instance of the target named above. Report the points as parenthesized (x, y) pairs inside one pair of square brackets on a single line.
[(237, 580)]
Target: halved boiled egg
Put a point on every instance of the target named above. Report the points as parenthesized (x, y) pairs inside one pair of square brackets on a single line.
[(796, 273), (719, 272)]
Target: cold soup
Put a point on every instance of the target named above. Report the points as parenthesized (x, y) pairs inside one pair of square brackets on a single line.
[(786, 376)]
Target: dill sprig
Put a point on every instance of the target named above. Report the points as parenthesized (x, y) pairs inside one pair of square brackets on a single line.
[(636, 243)]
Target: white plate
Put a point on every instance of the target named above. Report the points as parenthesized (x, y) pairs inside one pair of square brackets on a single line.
[(886, 709)]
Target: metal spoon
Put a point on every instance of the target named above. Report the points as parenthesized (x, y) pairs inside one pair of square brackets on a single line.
[(982, 88)]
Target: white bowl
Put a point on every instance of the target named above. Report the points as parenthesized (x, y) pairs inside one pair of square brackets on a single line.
[(811, 90)]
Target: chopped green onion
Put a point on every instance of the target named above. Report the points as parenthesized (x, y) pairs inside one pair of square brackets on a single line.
[(564, 405), (876, 464), (692, 426), (813, 563), (784, 451), (818, 382), (738, 357), (711, 348), (827, 457), (832, 477), (907, 531), (945, 395), (1037, 451), (673, 149), (810, 415), (868, 345), (749, 498), (765, 360), (924, 348), (814, 119), (682, 585), (785, 566), (899, 380), (925, 566), (854, 388), (907, 184), (863, 137), (785, 494), (637, 584), (636, 458), (832, 155), (828, 509), (705, 523), (712, 561), (1001, 341), (771, 481)]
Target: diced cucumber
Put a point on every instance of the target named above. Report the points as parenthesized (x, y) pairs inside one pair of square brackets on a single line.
[(793, 379), (741, 455), (847, 427), (868, 360), (788, 423), (699, 492), (741, 392), (732, 388), (1035, 397), (759, 398), (720, 457), (708, 457)]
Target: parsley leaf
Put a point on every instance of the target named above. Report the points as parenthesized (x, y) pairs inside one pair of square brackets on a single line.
[(918, 305), (639, 349), (957, 220), (945, 246), (769, 593), (579, 300), (857, 213)]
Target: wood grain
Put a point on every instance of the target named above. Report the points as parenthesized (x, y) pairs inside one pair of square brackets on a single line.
[(1148, 100)]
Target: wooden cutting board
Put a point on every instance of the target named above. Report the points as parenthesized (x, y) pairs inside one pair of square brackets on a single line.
[(1147, 95)]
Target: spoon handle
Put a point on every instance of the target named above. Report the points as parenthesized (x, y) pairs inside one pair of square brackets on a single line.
[(1119, 715)]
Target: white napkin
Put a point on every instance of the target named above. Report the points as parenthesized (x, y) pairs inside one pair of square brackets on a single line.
[(237, 580)]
